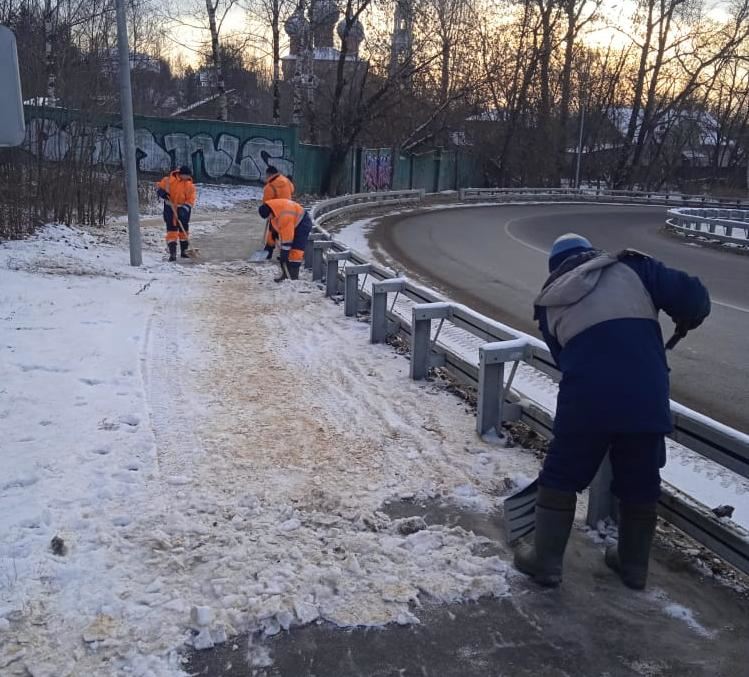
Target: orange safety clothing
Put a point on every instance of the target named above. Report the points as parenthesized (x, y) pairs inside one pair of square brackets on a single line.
[(278, 187), (286, 219), (174, 236), (181, 191)]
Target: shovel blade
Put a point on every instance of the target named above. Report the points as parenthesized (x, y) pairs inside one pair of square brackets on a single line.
[(259, 256), (520, 513)]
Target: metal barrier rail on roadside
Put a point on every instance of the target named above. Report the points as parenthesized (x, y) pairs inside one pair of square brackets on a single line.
[(496, 402), (705, 222), (327, 209), (604, 195)]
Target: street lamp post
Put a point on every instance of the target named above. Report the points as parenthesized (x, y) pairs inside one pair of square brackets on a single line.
[(580, 144), (128, 129)]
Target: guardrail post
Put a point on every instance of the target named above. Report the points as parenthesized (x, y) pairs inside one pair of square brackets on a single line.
[(351, 288), (491, 393), (378, 328), (318, 247), (601, 502), (331, 275), (422, 315), (308, 248)]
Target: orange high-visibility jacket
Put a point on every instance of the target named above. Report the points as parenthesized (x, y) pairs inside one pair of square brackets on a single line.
[(181, 192), (287, 215), (278, 187)]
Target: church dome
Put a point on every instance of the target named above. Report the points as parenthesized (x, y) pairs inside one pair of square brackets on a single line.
[(356, 32), (296, 24)]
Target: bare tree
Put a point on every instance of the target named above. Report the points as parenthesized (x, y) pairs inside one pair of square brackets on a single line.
[(210, 8), (266, 20), (673, 66), (208, 16)]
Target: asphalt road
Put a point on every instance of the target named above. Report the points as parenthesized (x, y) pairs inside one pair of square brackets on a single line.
[(495, 259)]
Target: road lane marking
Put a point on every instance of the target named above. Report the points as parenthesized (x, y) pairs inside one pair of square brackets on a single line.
[(545, 252)]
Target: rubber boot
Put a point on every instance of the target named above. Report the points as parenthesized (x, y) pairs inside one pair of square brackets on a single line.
[(294, 270), (172, 251), (629, 558), (183, 245), (555, 512)]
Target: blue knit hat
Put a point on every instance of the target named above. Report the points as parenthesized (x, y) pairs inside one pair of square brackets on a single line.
[(567, 245)]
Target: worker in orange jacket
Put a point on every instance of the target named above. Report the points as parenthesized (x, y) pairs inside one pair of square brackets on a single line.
[(293, 225), (177, 189), (277, 186)]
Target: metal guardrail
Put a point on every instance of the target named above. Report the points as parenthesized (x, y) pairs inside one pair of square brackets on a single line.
[(706, 222), (724, 445), (598, 195), (327, 209)]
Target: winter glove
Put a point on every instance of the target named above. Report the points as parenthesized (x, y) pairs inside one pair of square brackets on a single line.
[(183, 212), (162, 194), (269, 249), (688, 325)]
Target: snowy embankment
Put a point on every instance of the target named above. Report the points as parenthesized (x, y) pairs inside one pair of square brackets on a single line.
[(193, 451), (710, 483)]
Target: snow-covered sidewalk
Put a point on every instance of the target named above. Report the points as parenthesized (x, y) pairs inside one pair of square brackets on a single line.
[(185, 438)]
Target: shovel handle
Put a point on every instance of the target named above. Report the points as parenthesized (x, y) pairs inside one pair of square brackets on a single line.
[(176, 218), (679, 334)]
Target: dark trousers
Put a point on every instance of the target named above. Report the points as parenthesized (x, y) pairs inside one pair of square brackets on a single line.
[(173, 231), (636, 460)]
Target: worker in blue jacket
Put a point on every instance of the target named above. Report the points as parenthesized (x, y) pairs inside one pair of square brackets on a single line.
[(598, 313)]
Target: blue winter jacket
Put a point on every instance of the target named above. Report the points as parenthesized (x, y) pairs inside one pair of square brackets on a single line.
[(599, 316)]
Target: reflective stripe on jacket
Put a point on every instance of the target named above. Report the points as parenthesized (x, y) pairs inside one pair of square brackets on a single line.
[(181, 191)]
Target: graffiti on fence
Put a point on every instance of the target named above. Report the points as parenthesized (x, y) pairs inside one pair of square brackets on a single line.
[(378, 169), (225, 156)]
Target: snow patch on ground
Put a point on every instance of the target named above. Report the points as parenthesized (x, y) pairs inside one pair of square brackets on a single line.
[(680, 613), (214, 196), (356, 236)]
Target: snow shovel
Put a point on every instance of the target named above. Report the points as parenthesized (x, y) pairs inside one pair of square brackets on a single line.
[(260, 256), (520, 513)]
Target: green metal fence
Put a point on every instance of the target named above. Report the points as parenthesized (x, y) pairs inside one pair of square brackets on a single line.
[(239, 152)]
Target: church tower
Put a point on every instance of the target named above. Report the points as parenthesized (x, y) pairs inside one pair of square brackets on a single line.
[(402, 36)]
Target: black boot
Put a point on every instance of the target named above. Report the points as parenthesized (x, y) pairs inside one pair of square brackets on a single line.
[(183, 245), (294, 271), (172, 251), (555, 512), (629, 558)]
